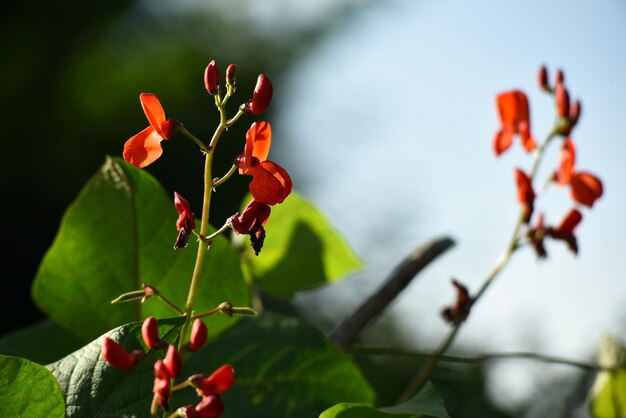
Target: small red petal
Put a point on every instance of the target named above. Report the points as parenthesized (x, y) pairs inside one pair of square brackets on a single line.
[(116, 355), (210, 407), (566, 163), (270, 184), (198, 335), (144, 148), (153, 110), (220, 381), (570, 222), (502, 140), (258, 141), (561, 95), (173, 362), (150, 332), (525, 193), (586, 188)]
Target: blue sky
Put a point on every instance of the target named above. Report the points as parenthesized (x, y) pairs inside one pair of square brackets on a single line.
[(387, 126)]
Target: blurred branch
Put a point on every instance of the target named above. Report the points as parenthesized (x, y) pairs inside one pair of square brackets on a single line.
[(349, 329), (481, 358)]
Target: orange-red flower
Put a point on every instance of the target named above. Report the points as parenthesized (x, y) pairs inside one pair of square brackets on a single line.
[(251, 222), (565, 231), (515, 119), (270, 183), (185, 222), (144, 148), (586, 188), (525, 193)]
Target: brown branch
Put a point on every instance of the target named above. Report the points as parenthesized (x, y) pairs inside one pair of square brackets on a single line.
[(349, 329)]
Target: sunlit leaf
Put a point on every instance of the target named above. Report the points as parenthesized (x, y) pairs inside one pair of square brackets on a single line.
[(28, 390), (301, 251), (118, 234)]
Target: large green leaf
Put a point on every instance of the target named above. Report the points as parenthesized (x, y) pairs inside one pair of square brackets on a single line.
[(283, 369), (607, 398), (426, 403), (28, 342), (301, 251), (118, 234), (28, 390), (93, 388)]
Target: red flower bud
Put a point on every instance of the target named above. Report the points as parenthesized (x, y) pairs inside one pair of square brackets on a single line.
[(219, 382), (116, 355), (150, 333), (586, 188), (561, 96), (212, 78), (261, 96), (525, 193), (251, 222), (210, 407), (198, 335), (173, 362), (185, 223), (161, 387), (231, 73), (574, 112), (542, 77)]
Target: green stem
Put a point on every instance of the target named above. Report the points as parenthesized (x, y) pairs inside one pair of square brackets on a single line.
[(194, 138), (219, 182), (234, 118), (208, 313), (170, 303), (420, 379)]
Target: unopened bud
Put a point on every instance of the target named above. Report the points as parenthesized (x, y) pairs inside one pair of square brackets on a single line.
[(212, 78), (226, 308), (574, 112), (261, 96), (116, 355), (559, 78), (231, 73), (543, 78), (562, 100), (173, 362), (150, 333), (198, 335), (149, 291)]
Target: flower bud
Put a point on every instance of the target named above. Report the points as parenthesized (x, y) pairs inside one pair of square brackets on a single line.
[(212, 78), (559, 78), (173, 362), (574, 112), (198, 335), (231, 72), (561, 96), (261, 96), (116, 355), (150, 333), (543, 78)]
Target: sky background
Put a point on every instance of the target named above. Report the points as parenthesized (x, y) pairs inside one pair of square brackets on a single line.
[(387, 123)]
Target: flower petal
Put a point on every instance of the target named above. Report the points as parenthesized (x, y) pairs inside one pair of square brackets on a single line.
[(566, 164), (259, 140), (502, 140), (270, 183), (153, 110), (144, 148), (525, 193), (513, 109), (586, 188)]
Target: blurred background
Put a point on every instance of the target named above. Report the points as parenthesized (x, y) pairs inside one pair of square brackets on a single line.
[(383, 114)]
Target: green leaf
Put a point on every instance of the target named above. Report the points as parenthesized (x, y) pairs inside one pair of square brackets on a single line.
[(28, 342), (607, 397), (93, 388), (426, 403), (28, 390), (283, 369), (118, 234), (302, 250)]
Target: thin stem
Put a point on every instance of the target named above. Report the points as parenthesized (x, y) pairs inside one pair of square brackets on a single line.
[(194, 138), (207, 313), (209, 238), (234, 118), (420, 379), (219, 182), (170, 303), (481, 358)]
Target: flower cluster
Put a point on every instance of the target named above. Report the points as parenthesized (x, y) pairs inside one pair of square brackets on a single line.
[(585, 188), (169, 368)]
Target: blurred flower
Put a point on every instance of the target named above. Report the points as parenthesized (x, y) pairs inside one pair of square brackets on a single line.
[(525, 193), (458, 312), (586, 188), (270, 183), (515, 119), (565, 231), (144, 148)]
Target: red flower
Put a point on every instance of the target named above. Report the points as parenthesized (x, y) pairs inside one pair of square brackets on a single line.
[(565, 231), (173, 361), (150, 333), (198, 335), (210, 407), (515, 118), (161, 387), (586, 187), (251, 222), (460, 310), (261, 96), (185, 223), (219, 382), (212, 78), (270, 183), (525, 193), (144, 148), (117, 356)]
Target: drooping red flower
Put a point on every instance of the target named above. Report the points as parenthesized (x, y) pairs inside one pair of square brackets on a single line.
[(565, 231), (515, 119), (270, 183), (218, 382), (458, 312), (525, 193), (212, 78), (162, 384), (144, 148), (185, 222), (116, 355), (586, 188), (261, 96), (251, 222)]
